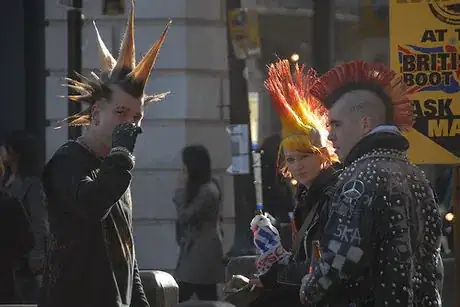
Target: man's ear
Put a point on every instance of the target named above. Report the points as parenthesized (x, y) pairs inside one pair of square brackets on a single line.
[(365, 124), (95, 114)]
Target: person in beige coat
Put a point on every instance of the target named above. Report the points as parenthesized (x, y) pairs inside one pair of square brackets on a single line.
[(198, 230)]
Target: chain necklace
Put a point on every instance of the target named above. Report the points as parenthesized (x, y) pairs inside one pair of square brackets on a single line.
[(86, 146)]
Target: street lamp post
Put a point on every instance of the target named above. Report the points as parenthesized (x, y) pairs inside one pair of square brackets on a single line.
[(243, 184)]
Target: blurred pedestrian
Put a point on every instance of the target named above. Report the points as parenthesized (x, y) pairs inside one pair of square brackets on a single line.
[(198, 201), (22, 179)]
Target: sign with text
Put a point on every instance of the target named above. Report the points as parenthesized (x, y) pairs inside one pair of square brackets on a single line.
[(239, 138), (424, 48), (244, 32)]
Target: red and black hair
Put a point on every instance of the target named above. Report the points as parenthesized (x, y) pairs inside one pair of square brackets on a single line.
[(374, 77)]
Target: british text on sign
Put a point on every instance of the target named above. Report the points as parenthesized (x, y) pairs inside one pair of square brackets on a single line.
[(434, 68)]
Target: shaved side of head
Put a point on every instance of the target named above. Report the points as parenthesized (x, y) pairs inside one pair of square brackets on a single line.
[(363, 103)]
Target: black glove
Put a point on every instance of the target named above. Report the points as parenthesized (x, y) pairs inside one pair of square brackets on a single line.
[(5, 194), (125, 135)]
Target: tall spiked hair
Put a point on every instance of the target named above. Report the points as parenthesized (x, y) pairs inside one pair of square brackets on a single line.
[(124, 71), (303, 118), (374, 77)]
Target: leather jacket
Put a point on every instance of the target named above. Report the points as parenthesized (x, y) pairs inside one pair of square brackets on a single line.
[(381, 242), (289, 275)]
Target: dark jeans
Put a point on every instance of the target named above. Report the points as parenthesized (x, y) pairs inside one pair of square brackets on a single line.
[(16, 289), (27, 289), (204, 292), (7, 287)]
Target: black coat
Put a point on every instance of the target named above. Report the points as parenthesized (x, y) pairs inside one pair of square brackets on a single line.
[(380, 246), (16, 240), (91, 260)]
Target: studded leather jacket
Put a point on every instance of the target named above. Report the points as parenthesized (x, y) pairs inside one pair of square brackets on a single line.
[(381, 243), (314, 198)]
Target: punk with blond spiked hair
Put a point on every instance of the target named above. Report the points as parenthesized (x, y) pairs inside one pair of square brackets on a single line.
[(306, 155), (91, 259), (303, 118)]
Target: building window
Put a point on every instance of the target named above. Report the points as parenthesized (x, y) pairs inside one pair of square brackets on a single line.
[(362, 31)]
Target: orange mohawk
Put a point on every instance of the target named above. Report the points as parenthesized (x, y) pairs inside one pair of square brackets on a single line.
[(301, 115), (376, 77), (289, 93)]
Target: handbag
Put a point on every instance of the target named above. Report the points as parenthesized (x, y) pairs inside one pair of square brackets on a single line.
[(244, 296)]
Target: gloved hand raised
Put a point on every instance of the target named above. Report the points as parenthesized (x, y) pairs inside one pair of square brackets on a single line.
[(125, 136), (266, 236), (267, 240)]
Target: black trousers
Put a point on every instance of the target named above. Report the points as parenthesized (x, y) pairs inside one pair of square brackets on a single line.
[(204, 292), (7, 293)]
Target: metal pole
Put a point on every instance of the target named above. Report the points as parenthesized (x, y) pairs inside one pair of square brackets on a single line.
[(35, 74), (74, 62), (244, 190), (456, 204), (323, 35)]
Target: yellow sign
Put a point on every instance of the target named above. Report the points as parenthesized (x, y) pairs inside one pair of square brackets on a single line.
[(244, 32), (425, 49)]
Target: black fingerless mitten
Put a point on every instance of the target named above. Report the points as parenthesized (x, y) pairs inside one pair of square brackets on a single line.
[(124, 138), (125, 135)]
